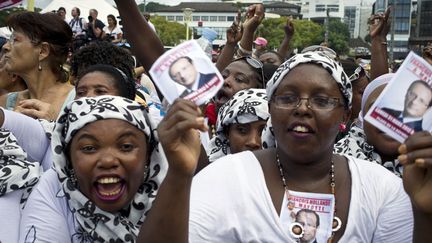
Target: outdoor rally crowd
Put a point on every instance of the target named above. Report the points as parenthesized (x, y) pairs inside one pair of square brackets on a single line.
[(91, 153)]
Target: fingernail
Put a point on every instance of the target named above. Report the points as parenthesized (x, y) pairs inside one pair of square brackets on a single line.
[(402, 149), (200, 119), (420, 162), (402, 158)]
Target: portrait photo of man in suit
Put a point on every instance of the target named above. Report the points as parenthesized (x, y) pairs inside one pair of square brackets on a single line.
[(418, 99), (184, 72), (310, 221)]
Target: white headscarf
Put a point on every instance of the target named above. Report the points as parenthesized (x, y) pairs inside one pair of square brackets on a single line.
[(103, 226), (245, 106), (319, 58)]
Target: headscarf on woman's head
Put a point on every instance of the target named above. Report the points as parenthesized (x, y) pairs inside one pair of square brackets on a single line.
[(371, 87), (102, 225), (334, 69), (245, 106)]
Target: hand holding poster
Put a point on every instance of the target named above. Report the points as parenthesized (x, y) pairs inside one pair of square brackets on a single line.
[(404, 105), (185, 71)]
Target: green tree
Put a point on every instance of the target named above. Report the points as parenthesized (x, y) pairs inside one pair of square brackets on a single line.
[(306, 32), (4, 14), (170, 33), (151, 7), (338, 36)]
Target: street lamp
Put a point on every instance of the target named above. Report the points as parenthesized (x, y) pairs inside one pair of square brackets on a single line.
[(187, 13)]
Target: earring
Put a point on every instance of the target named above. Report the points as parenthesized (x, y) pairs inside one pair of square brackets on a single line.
[(73, 178), (342, 127), (39, 67)]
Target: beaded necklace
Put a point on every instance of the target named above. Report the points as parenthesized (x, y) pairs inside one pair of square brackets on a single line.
[(296, 229)]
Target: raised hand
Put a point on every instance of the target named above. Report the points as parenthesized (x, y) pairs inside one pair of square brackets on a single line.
[(179, 136), (416, 156), (254, 17), (379, 24), (235, 32), (289, 28)]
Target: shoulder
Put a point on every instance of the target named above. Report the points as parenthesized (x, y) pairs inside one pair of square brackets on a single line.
[(391, 111)]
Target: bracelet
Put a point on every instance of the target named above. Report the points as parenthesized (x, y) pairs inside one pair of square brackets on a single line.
[(243, 50)]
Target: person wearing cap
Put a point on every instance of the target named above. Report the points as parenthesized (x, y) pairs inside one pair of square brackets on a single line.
[(260, 46)]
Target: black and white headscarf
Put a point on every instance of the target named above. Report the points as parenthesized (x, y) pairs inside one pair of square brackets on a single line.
[(319, 58), (355, 142), (16, 172), (245, 106), (103, 226)]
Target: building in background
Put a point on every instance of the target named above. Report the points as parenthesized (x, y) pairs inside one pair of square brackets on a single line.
[(215, 15), (421, 28), (401, 26)]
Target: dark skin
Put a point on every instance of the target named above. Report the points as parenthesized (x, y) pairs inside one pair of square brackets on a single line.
[(416, 156), (379, 25), (308, 170)]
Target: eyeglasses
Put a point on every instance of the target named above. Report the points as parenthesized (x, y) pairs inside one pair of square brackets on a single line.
[(327, 51), (12, 40), (256, 64), (313, 103), (356, 75)]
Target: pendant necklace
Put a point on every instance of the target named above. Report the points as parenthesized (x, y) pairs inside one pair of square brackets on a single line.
[(296, 229)]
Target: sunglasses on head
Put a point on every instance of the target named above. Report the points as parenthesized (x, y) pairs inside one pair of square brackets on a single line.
[(327, 51), (256, 64), (357, 74)]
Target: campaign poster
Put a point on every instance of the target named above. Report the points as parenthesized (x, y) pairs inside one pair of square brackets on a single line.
[(404, 106), (186, 72), (8, 3)]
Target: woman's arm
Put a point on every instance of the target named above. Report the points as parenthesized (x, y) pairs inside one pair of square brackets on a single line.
[(145, 44), (289, 33), (254, 17), (234, 34), (168, 220), (29, 133), (379, 28)]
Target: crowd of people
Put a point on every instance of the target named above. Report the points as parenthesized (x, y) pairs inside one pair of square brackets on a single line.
[(90, 151)]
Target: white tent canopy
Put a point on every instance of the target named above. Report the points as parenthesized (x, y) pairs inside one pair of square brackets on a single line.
[(101, 6)]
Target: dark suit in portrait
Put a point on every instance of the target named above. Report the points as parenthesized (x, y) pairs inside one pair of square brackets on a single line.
[(416, 125)]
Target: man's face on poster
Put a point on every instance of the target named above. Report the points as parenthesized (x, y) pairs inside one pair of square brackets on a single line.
[(309, 222), (183, 72), (417, 100)]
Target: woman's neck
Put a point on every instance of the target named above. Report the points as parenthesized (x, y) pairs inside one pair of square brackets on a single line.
[(306, 175), (39, 82)]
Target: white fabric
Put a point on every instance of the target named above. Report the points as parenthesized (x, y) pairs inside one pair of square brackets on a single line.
[(230, 202), (117, 30), (47, 201), (30, 136), (10, 215)]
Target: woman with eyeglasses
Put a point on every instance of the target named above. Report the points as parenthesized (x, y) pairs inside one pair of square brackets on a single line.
[(250, 196), (36, 51)]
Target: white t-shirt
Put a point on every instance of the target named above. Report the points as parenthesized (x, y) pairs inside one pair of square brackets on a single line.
[(10, 215), (47, 201), (230, 202), (117, 30)]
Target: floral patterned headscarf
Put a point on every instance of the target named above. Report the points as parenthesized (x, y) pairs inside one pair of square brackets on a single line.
[(319, 58), (245, 106), (103, 226)]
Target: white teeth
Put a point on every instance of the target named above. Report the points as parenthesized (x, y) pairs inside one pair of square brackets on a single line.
[(113, 193), (300, 129), (108, 180)]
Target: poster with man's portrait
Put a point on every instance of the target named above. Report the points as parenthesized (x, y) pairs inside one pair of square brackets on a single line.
[(404, 106), (308, 217), (186, 72)]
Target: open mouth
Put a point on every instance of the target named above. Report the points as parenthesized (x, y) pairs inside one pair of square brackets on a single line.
[(110, 188), (221, 97), (300, 130)]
